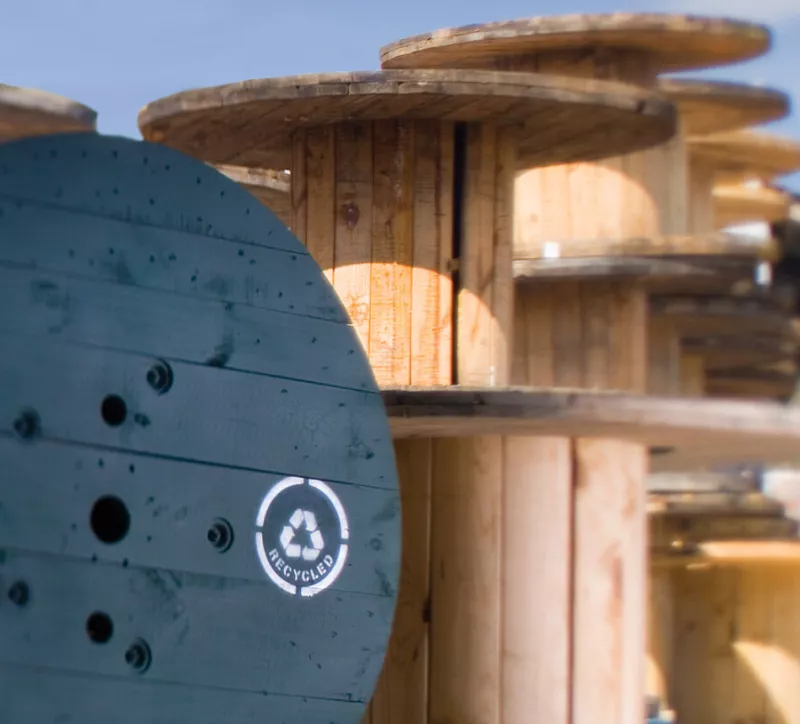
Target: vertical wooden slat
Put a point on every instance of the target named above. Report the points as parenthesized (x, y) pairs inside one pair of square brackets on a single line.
[(427, 322), (567, 332), (444, 210), (537, 578), (320, 175), (476, 326), (502, 301), (609, 583), (392, 252), (299, 187), (401, 696), (353, 245), (465, 581), (660, 633)]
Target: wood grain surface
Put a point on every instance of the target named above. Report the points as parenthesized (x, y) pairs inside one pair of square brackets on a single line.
[(562, 119), (675, 42)]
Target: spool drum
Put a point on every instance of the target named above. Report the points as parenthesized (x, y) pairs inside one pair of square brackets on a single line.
[(199, 512)]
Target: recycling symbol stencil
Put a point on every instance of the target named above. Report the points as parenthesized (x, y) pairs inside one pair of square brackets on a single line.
[(299, 519), (302, 536)]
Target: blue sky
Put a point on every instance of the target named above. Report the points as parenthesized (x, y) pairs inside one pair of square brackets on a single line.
[(116, 57)]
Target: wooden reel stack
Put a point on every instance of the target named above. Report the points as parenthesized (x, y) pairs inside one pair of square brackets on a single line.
[(523, 586)]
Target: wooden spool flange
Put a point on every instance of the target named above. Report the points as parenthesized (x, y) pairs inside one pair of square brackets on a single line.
[(29, 112), (742, 203), (743, 155), (716, 106)]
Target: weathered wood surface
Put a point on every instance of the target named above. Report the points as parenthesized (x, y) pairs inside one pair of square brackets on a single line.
[(30, 112), (183, 353), (744, 155), (671, 42), (715, 106), (775, 382), (740, 203), (562, 119), (731, 432), (271, 188)]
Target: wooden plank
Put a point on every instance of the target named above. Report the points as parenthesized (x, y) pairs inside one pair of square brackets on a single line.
[(320, 176), (243, 409), (392, 252), (178, 614), (537, 566), (476, 363), (43, 692), (401, 696), (167, 521), (609, 582), (353, 242), (71, 309), (465, 679), (430, 323)]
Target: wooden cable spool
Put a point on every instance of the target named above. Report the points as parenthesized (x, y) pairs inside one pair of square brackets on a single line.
[(200, 516), (582, 322), (402, 189), (29, 112)]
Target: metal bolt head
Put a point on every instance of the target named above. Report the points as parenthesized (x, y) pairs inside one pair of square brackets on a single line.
[(138, 656), (159, 377), (220, 535), (19, 594), (28, 425)]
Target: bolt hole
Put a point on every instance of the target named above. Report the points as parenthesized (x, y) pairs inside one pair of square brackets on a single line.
[(114, 410), (99, 627), (110, 519)]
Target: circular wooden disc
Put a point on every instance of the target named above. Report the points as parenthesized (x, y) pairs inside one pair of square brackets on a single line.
[(739, 204), (731, 351), (200, 513), (714, 244), (561, 119), (271, 188), (753, 384), (659, 274), (743, 155), (675, 42), (700, 317), (716, 106), (29, 112), (731, 432)]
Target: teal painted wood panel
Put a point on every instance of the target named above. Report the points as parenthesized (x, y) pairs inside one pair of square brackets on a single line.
[(199, 515)]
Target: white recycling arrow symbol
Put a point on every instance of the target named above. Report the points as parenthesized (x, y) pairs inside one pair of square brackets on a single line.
[(302, 518)]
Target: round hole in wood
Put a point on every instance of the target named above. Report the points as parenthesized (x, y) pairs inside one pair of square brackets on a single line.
[(110, 519), (99, 627), (114, 410)]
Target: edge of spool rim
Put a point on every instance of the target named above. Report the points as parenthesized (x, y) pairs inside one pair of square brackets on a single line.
[(306, 86), (755, 38), (48, 104), (772, 103), (725, 149)]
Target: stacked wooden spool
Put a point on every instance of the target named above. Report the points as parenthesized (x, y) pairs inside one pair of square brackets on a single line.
[(523, 587), (29, 112)]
